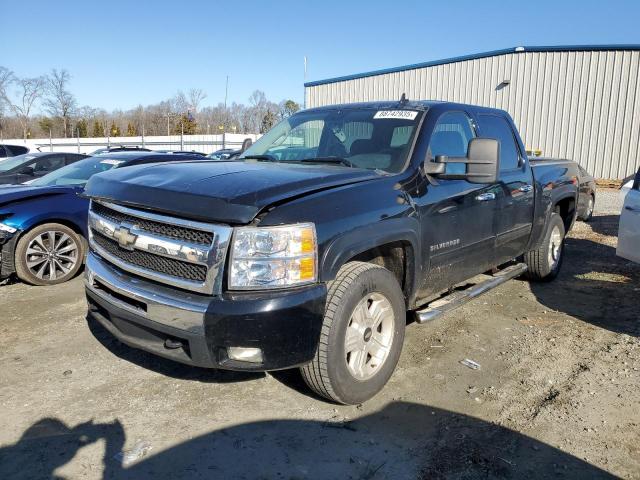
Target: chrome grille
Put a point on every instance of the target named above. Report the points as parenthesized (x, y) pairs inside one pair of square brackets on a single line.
[(171, 231), (166, 266), (174, 251)]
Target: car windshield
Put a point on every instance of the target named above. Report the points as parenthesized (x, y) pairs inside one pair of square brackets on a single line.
[(355, 137), (13, 162), (77, 173)]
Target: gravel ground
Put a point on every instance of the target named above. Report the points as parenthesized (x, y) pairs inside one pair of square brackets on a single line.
[(557, 393)]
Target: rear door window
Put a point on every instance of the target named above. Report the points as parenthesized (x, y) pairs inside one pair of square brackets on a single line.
[(497, 127)]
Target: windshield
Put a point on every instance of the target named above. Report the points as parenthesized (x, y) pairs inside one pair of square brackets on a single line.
[(14, 162), (359, 138), (77, 173)]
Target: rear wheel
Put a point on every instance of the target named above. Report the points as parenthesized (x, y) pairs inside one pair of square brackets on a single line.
[(49, 254), (361, 336), (544, 263), (589, 211)]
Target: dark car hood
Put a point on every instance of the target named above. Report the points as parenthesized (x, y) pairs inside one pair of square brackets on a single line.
[(13, 193), (229, 192)]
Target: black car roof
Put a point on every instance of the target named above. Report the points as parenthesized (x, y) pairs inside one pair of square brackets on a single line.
[(421, 105)]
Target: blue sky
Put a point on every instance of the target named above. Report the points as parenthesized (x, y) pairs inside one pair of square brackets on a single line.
[(124, 53)]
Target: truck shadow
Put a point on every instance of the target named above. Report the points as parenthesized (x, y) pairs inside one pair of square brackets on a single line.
[(401, 441), (605, 224), (163, 366), (595, 286)]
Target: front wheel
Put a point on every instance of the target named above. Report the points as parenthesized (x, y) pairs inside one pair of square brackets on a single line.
[(544, 263), (49, 254), (362, 335)]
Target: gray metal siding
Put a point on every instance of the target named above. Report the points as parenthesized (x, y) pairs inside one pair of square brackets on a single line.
[(582, 105)]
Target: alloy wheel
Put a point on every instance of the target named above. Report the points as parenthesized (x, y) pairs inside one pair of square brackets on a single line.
[(52, 255), (369, 336), (555, 248)]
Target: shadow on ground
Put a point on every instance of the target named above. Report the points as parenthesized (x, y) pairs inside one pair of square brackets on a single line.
[(403, 440), (595, 285), (163, 366), (605, 224)]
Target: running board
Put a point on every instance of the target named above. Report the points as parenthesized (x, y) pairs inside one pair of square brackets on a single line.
[(458, 298)]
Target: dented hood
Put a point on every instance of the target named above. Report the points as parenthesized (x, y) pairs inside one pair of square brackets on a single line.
[(16, 193), (229, 192)]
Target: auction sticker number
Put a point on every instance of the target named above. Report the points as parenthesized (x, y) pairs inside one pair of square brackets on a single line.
[(396, 114)]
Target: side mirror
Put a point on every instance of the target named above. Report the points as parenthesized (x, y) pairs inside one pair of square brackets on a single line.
[(28, 171), (482, 162)]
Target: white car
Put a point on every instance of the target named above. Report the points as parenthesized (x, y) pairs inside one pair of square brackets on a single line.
[(629, 231), (624, 189)]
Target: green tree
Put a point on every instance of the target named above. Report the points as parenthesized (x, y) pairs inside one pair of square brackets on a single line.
[(82, 128), (268, 121), (98, 129), (288, 108), (114, 130), (46, 125), (131, 130), (189, 123)]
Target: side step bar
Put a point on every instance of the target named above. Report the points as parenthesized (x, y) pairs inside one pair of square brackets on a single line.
[(458, 298)]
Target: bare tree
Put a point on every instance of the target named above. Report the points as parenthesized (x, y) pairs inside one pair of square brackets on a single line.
[(6, 78), (60, 102), (28, 90), (196, 96), (179, 103)]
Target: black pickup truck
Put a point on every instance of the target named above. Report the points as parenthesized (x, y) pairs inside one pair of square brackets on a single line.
[(310, 249)]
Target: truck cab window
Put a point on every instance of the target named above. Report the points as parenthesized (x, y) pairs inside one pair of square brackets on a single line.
[(451, 137), (494, 126)]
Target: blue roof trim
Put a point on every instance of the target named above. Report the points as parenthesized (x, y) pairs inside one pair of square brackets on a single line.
[(493, 53)]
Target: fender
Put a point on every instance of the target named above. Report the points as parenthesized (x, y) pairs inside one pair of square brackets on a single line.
[(351, 243), (543, 210)]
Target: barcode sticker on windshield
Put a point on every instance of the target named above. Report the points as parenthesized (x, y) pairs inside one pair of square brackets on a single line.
[(396, 114)]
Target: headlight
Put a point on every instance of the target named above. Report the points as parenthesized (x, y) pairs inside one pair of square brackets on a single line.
[(7, 228), (273, 257)]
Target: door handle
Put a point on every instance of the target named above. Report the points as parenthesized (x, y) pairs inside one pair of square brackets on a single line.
[(526, 188), (485, 197), (632, 209)]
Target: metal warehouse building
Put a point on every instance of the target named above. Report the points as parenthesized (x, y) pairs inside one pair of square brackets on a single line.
[(576, 102)]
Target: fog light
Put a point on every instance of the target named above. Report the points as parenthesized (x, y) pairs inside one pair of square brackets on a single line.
[(245, 354)]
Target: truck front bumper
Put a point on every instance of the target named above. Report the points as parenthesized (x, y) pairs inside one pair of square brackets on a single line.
[(198, 329)]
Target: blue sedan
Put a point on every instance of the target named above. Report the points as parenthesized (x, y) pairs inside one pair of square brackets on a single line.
[(43, 225)]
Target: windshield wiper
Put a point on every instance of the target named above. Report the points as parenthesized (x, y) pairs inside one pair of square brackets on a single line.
[(337, 160), (268, 158)]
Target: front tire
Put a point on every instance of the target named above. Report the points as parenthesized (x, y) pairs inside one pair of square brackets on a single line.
[(544, 263), (49, 254), (362, 335)]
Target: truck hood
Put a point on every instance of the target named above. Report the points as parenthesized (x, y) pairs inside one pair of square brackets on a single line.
[(229, 192), (15, 193)]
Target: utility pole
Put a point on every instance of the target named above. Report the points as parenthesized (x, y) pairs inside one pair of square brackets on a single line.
[(304, 101), (224, 122)]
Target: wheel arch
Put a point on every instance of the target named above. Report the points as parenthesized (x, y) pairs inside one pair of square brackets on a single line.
[(566, 207), (393, 244)]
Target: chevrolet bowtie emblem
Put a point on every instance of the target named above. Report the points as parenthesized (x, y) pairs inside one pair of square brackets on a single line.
[(125, 238)]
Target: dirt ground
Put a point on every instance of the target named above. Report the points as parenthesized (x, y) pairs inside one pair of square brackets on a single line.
[(557, 394)]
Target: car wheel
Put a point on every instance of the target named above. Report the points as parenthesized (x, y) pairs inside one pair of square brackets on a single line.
[(544, 263), (590, 207), (49, 254), (362, 335)]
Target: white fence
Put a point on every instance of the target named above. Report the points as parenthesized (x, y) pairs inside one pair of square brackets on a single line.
[(198, 143)]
